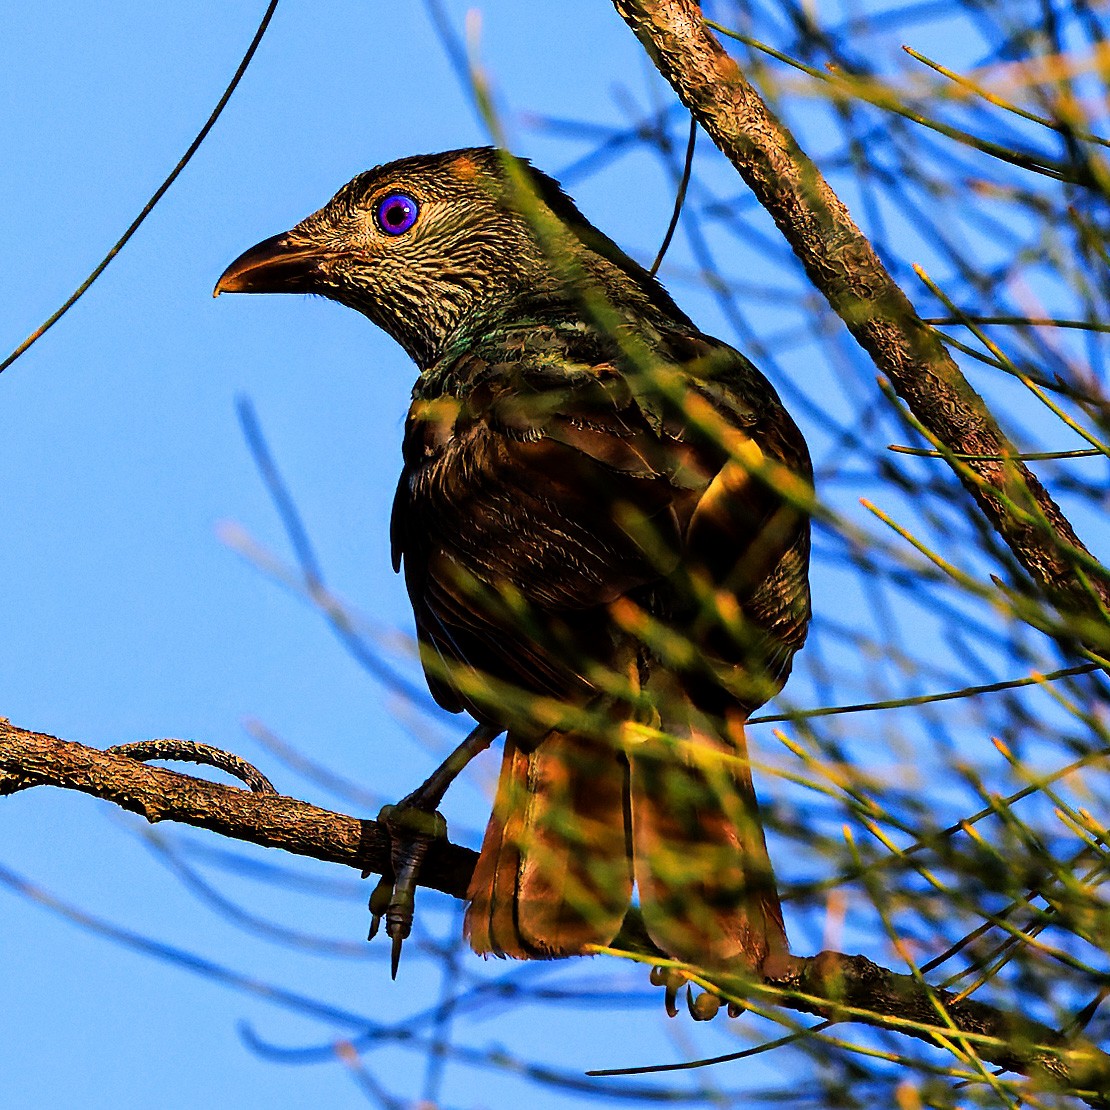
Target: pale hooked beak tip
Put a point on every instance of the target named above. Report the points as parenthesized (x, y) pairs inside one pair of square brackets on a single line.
[(280, 264)]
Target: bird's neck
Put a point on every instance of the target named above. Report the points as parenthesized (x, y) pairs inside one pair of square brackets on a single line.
[(500, 326), (547, 342), (534, 294)]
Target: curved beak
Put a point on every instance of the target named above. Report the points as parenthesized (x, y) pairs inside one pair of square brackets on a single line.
[(280, 264)]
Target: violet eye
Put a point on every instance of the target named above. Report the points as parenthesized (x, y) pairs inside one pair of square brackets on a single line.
[(397, 213)]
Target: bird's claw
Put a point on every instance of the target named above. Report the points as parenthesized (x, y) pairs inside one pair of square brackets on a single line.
[(412, 831), (671, 979), (402, 819), (702, 1007)]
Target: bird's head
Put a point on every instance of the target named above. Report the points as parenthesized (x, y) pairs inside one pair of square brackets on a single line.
[(434, 246)]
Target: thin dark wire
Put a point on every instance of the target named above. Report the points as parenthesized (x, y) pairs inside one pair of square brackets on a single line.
[(194, 146), (731, 1057), (680, 196)]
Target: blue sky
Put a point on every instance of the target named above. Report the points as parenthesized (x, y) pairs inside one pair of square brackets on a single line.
[(124, 614)]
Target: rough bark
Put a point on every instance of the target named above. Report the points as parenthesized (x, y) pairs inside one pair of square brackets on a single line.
[(854, 989), (843, 265), (272, 820)]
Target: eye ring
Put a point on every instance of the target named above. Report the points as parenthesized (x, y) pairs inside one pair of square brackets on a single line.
[(396, 213)]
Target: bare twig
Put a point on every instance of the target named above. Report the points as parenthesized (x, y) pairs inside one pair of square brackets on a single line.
[(189, 751)]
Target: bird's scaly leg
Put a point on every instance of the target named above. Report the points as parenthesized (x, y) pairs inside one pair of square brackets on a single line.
[(413, 824)]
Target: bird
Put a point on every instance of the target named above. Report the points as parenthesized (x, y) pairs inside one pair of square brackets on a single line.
[(602, 536)]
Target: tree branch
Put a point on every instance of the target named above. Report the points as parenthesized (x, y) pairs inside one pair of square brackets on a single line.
[(842, 264), (831, 984), (272, 820), (853, 988)]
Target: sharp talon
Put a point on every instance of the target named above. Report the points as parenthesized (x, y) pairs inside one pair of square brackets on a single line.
[(412, 831), (669, 997), (380, 898), (735, 1009), (673, 981), (690, 1002)]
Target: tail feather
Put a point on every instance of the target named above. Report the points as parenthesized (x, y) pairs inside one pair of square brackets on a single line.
[(490, 923), (576, 821), (707, 892), (554, 874)]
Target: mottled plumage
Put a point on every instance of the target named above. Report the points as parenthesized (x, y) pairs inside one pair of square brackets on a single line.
[(574, 523)]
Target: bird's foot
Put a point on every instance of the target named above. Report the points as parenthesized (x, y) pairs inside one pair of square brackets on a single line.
[(702, 1007), (414, 824), (412, 830)]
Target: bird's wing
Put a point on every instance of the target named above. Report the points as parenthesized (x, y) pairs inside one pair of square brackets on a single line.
[(739, 597), (545, 491), (521, 518), (739, 601)]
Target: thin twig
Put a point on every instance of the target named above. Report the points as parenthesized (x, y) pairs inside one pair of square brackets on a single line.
[(680, 197), (190, 751), (925, 699)]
